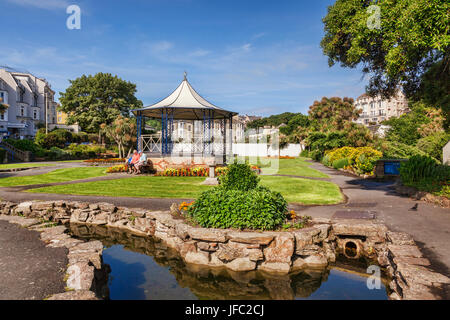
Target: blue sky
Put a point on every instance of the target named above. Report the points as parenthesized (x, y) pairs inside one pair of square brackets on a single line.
[(254, 57)]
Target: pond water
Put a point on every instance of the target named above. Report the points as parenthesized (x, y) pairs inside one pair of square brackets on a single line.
[(145, 269)]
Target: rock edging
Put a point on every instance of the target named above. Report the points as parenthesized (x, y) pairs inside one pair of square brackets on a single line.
[(273, 252)]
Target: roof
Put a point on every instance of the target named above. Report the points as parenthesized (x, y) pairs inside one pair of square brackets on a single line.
[(185, 103)]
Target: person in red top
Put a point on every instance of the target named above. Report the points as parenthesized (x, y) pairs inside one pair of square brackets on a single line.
[(134, 161)]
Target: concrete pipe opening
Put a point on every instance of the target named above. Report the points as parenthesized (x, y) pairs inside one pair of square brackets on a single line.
[(351, 249)]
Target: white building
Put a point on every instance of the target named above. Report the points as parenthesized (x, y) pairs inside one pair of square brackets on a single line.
[(30, 100), (375, 110)]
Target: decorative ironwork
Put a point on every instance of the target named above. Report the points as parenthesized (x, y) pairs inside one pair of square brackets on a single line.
[(212, 140)]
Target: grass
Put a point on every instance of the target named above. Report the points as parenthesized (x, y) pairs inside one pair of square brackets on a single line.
[(304, 191), (295, 167), (140, 186), (295, 190), (59, 175)]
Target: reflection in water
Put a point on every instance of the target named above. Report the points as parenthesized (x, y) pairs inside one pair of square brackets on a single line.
[(143, 268)]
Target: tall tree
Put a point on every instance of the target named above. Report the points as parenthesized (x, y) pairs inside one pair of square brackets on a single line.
[(93, 100), (411, 39), (123, 132), (332, 113)]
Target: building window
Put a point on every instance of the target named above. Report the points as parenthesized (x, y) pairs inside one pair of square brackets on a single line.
[(35, 114), (4, 116), (4, 97), (20, 94), (22, 111)]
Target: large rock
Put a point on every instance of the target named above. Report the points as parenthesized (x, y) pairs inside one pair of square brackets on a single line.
[(280, 249), (42, 205), (213, 235), (275, 267), (308, 250), (250, 237), (405, 251), (305, 237), (400, 238), (23, 208), (298, 264), (91, 257), (80, 276), (233, 250), (316, 261), (51, 233), (360, 228), (79, 215), (74, 295), (207, 246), (241, 264), (198, 257)]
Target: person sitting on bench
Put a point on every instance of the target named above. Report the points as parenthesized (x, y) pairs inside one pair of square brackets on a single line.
[(128, 163), (134, 161), (142, 162)]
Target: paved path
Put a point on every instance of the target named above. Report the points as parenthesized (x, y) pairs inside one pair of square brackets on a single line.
[(29, 270)]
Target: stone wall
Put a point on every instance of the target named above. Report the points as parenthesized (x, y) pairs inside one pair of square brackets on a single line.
[(273, 252)]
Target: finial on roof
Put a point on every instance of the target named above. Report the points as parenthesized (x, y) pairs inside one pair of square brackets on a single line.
[(185, 75)]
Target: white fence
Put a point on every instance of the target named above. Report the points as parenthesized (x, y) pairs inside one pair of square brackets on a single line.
[(262, 150)]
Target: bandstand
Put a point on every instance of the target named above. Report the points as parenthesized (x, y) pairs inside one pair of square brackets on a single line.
[(211, 131)]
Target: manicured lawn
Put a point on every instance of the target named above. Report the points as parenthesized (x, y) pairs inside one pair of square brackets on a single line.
[(59, 175), (304, 191), (296, 167), (140, 186), (296, 190)]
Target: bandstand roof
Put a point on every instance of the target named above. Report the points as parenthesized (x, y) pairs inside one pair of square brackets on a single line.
[(185, 104)]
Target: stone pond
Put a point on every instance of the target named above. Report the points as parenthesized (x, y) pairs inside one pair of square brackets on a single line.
[(219, 264)]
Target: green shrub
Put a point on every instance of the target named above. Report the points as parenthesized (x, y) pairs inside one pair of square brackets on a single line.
[(305, 154), (239, 177), (56, 138), (258, 208), (326, 160), (56, 153), (81, 151), (418, 168), (340, 163), (340, 153), (363, 159), (398, 150), (426, 174), (316, 155), (433, 144)]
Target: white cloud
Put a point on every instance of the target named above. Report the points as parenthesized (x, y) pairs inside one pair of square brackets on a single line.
[(199, 53), (158, 47), (42, 4)]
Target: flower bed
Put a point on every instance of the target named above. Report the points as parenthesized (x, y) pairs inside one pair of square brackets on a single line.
[(198, 172), (118, 168)]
